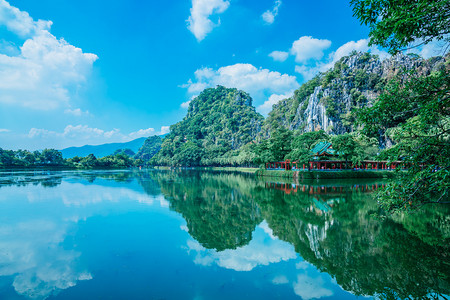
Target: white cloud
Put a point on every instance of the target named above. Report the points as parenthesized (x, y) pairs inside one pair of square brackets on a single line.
[(142, 133), (85, 131), (199, 22), (259, 83), (308, 72), (434, 48), (77, 112), (185, 105), (307, 47), (46, 71), (41, 133), (279, 55), (164, 130), (4, 130), (269, 15), (310, 69), (266, 107)]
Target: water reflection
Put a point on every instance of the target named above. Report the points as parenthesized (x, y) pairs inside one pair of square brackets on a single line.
[(217, 208), (399, 257), (311, 238), (330, 224)]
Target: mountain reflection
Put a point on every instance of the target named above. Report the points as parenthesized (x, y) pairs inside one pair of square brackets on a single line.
[(218, 208), (330, 225), (236, 222)]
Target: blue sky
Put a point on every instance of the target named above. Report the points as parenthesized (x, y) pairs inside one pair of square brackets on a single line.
[(92, 72)]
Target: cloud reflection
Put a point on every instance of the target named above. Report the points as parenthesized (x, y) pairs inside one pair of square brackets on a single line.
[(32, 252), (34, 224), (263, 249)]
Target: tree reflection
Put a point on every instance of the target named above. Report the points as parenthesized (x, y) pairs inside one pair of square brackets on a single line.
[(401, 257), (330, 224), (218, 211)]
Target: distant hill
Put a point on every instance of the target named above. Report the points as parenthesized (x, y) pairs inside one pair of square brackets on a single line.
[(104, 149)]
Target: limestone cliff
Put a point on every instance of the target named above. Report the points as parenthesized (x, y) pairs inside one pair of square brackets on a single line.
[(328, 101)]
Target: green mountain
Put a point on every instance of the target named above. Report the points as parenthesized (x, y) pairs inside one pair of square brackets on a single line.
[(102, 150), (218, 122)]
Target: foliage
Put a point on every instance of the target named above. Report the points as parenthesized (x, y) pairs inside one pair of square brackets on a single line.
[(218, 123), (396, 24), (218, 212), (414, 113), (126, 151), (53, 158), (151, 146), (303, 144)]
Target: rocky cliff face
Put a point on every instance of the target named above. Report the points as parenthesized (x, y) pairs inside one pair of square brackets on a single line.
[(328, 101)]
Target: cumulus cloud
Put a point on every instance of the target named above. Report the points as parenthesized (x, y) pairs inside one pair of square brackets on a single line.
[(185, 105), (142, 133), (164, 130), (269, 15), (266, 107), (309, 69), (307, 47), (199, 22), (279, 55), (262, 250), (45, 70), (77, 112), (259, 83), (434, 48)]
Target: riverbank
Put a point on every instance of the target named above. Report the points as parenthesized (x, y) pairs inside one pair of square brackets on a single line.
[(316, 174), (221, 169)]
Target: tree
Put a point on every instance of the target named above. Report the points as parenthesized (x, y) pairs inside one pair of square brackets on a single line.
[(347, 148), (52, 157), (414, 113), (280, 143), (412, 110), (396, 24), (303, 144)]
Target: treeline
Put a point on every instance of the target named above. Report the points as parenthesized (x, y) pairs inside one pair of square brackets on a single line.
[(10, 159), (281, 145)]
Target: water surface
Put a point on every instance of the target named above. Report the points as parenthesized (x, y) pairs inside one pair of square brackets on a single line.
[(199, 235)]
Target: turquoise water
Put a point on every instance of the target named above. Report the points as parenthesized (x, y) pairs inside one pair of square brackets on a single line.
[(191, 235)]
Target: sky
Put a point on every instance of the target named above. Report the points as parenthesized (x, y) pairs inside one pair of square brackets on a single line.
[(92, 72)]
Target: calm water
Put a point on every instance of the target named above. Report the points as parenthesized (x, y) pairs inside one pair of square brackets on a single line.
[(188, 235)]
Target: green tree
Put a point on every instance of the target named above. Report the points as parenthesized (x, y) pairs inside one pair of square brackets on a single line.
[(280, 143), (51, 157), (348, 148), (412, 110), (397, 24), (414, 114), (303, 144)]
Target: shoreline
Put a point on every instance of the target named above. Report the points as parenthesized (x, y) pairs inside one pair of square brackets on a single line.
[(317, 174), (301, 174)]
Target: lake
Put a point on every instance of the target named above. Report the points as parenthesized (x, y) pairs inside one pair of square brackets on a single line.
[(205, 235)]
